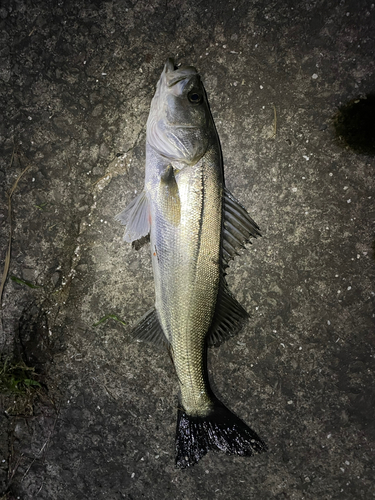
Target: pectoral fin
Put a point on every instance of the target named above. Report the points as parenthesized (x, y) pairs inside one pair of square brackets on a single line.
[(238, 228), (170, 197), (136, 218)]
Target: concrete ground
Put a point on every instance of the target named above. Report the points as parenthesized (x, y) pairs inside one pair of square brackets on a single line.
[(77, 79)]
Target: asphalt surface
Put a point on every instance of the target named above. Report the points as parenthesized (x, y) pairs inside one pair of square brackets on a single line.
[(76, 81)]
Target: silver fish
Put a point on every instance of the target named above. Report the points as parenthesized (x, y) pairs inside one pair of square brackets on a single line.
[(196, 227)]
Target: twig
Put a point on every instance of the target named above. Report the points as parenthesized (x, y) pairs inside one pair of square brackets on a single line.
[(274, 121), (11, 473), (7, 256), (43, 449), (40, 489), (106, 388)]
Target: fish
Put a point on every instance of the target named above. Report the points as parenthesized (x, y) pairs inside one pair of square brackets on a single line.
[(196, 227)]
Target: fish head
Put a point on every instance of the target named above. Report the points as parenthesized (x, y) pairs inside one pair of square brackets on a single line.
[(179, 125)]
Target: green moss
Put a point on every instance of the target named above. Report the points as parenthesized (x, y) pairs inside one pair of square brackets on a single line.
[(18, 387), (17, 378)]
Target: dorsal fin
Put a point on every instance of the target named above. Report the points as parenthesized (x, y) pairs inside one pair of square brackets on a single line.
[(238, 227), (228, 319)]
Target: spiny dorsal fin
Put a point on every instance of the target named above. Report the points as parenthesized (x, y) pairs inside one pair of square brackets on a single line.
[(149, 329), (238, 227), (136, 218), (228, 319)]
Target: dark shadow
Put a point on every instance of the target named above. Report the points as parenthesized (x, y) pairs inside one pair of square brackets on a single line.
[(355, 124), (138, 244)]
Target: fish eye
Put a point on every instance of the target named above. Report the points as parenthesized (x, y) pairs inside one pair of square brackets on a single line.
[(195, 97)]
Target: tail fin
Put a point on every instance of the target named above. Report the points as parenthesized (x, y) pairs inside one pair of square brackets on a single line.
[(219, 430)]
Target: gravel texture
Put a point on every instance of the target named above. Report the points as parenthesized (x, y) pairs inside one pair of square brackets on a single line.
[(76, 81)]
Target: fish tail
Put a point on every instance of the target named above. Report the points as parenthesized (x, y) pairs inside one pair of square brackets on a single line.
[(220, 430)]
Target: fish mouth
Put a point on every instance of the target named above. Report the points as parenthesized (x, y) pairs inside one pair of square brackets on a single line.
[(174, 74), (188, 126), (169, 65)]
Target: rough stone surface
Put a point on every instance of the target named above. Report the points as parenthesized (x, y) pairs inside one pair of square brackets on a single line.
[(76, 81)]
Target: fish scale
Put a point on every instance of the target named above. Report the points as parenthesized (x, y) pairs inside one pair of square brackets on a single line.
[(189, 291), (196, 227)]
